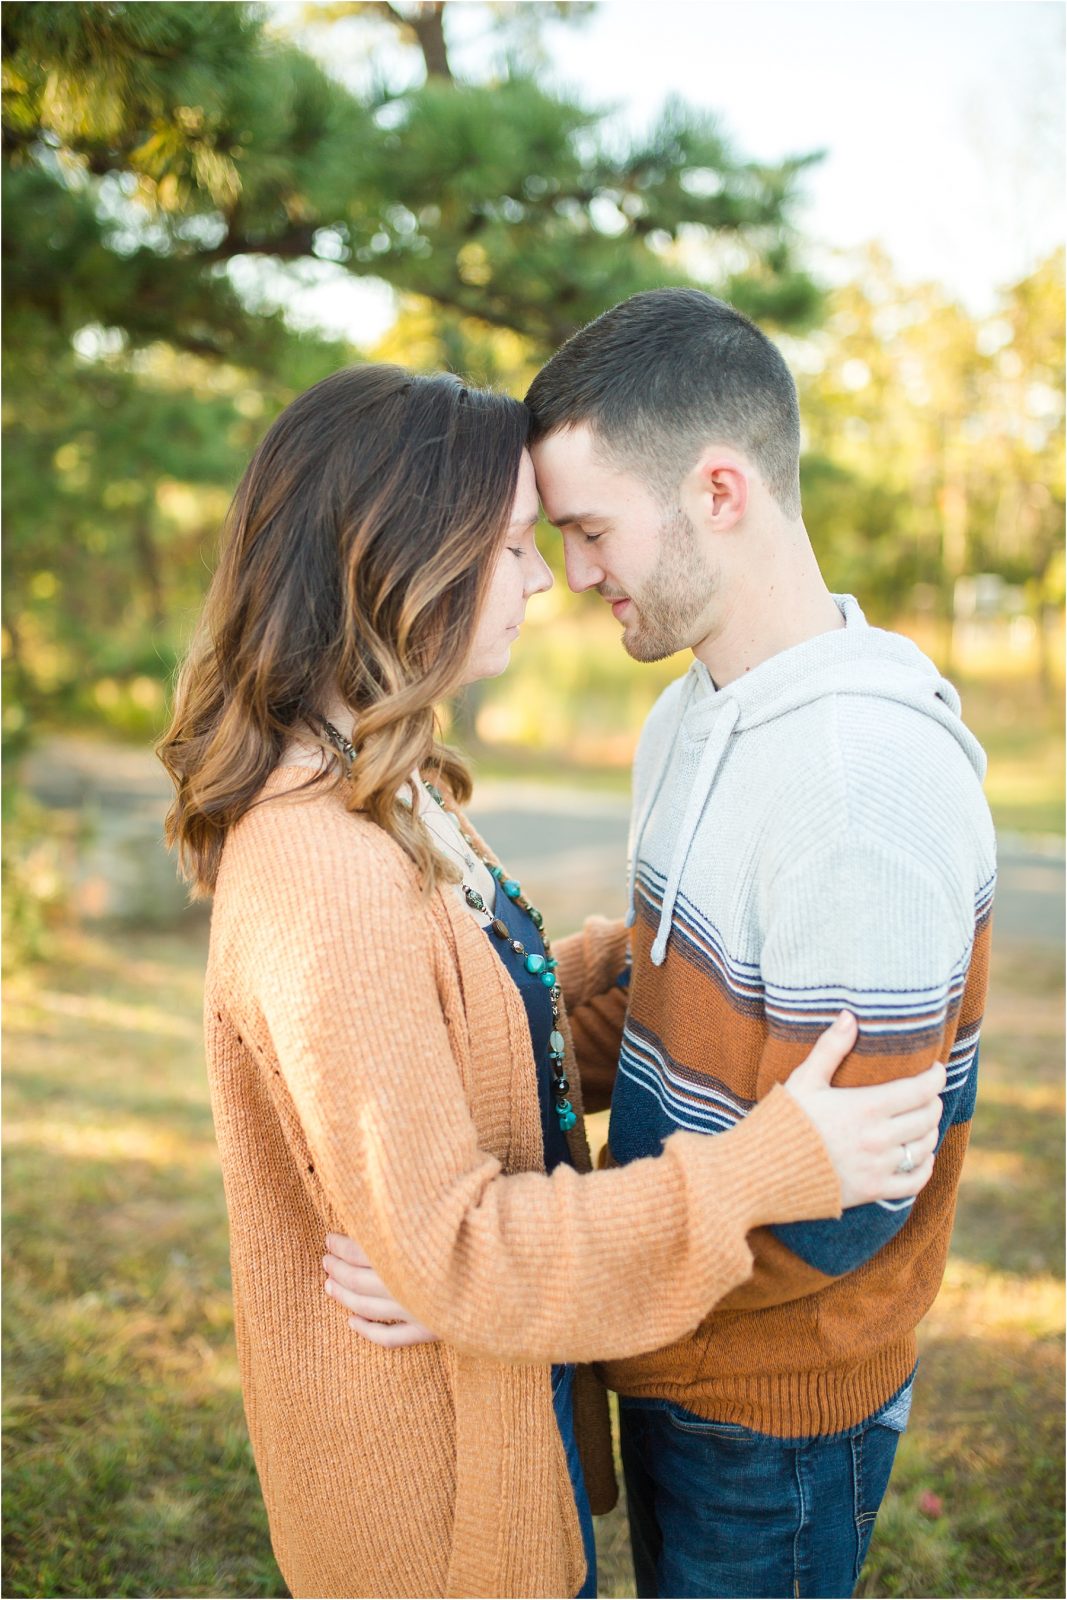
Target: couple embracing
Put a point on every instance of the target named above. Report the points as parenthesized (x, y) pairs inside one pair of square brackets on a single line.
[(400, 1054)]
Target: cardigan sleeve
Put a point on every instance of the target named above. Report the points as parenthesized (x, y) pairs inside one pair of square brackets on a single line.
[(340, 966)]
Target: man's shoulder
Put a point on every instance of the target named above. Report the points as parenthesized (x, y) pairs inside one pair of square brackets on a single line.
[(866, 767)]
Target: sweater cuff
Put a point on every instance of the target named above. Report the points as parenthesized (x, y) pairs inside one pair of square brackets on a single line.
[(591, 960), (779, 1168)]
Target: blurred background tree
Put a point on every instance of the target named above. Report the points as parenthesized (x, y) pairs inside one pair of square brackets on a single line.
[(170, 169), (176, 174)]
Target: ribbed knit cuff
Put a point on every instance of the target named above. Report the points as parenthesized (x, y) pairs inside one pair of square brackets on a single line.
[(777, 1165), (591, 960)]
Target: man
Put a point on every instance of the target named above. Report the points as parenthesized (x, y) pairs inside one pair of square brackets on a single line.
[(809, 833)]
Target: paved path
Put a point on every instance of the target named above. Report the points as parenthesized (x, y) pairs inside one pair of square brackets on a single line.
[(567, 845)]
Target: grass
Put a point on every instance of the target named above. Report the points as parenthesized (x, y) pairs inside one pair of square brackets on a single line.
[(127, 1465)]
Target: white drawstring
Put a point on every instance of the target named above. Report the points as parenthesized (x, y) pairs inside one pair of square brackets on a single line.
[(661, 777), (718, 739)]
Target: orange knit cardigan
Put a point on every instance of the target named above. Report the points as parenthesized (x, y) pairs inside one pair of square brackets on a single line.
[(371, 1073)]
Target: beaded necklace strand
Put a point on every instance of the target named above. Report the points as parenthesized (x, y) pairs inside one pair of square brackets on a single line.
[(543, 967)]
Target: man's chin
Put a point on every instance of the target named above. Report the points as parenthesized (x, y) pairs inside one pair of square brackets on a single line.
[(640, 646)]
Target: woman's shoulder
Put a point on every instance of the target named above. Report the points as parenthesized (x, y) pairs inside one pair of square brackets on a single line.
[(298, 829)]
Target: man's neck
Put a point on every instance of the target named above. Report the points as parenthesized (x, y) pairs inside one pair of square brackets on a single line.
[(780, 602)]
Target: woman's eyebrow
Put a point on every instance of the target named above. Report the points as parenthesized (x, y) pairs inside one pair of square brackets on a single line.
[(521, 524)]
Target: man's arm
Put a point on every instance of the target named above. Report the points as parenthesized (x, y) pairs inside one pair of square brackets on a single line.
[(865, 926), (594, 974)]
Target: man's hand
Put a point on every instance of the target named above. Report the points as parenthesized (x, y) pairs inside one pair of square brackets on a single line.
[(354, 1284)]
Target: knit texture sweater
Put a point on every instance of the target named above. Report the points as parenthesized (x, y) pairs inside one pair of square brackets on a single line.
[(371, 1073), (811, 837)]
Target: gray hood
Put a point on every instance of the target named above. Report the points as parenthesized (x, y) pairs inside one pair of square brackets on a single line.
[(854, 660)]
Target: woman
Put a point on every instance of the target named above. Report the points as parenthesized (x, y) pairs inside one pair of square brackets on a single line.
[(372, 1017)]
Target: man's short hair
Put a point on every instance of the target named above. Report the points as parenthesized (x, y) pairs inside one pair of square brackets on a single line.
[(665, 373)]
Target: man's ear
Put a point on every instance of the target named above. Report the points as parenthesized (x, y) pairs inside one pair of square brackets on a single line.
[(715, 491)]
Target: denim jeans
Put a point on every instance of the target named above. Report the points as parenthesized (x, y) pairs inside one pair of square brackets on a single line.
[(563, 1400), (717, 1510)]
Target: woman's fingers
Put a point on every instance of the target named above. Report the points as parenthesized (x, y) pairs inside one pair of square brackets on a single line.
[(339, 1244), (902, 1185), (906, 1094), (829, 1050), (913, 1125)]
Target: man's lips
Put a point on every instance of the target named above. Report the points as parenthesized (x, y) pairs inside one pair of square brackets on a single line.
[(618, 606)]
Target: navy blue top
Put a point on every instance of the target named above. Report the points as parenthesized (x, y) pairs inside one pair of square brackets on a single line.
[(536, 997)]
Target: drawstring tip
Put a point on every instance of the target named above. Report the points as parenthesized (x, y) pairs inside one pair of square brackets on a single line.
[(659, 950)]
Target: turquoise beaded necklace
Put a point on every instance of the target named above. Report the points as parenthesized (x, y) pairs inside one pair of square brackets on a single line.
[(543, 967)]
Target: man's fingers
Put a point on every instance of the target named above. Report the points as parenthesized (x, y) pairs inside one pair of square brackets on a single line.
[(361, 1280), (339, 1244), (372, 1307), (390, 1336)]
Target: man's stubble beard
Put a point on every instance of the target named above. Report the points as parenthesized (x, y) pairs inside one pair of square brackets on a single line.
[(674, 596)]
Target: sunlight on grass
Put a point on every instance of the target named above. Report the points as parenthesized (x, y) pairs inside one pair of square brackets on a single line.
[(976, 1302), (135, 1142), (107, 1013), (128, 1466)]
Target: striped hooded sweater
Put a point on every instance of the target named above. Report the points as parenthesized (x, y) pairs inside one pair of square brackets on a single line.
[(812, 836)]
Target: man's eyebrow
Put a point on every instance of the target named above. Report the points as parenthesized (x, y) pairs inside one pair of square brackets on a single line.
[(576, 516)]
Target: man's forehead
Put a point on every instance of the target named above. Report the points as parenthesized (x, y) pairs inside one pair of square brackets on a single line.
[(583, 489), (573, 479)]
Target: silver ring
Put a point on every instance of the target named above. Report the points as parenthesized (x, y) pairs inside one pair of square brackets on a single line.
[(905, 1164)]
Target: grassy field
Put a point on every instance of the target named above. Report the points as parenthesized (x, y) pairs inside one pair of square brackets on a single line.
[(127, 1466)]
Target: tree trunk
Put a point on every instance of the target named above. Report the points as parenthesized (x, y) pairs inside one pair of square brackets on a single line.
[(148, 561), (429, 26)]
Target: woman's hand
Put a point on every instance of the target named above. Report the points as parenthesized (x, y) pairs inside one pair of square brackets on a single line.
[(866, 1130), (354, 1284)]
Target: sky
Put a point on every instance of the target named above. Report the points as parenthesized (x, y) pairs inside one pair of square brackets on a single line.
[(942, 120)]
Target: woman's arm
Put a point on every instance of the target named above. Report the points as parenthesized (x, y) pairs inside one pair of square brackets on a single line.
[(863, 1130), (339, 959)]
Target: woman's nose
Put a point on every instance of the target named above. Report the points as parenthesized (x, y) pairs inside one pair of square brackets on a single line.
[(541, 578)]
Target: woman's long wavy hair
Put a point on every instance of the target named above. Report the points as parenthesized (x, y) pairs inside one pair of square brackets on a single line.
[(358, 550)]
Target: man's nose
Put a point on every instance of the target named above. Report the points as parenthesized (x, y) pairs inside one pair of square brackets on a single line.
[(582, 571)]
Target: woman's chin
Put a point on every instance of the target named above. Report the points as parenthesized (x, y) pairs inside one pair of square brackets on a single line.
[(490, 666)]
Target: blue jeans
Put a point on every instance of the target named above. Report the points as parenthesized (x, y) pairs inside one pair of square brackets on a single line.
[(563, 1400), (717, 1510)]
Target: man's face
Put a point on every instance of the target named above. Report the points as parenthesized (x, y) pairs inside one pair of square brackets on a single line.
[(645, 561)]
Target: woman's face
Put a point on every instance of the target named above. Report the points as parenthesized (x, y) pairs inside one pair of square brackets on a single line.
[(520, 572)]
